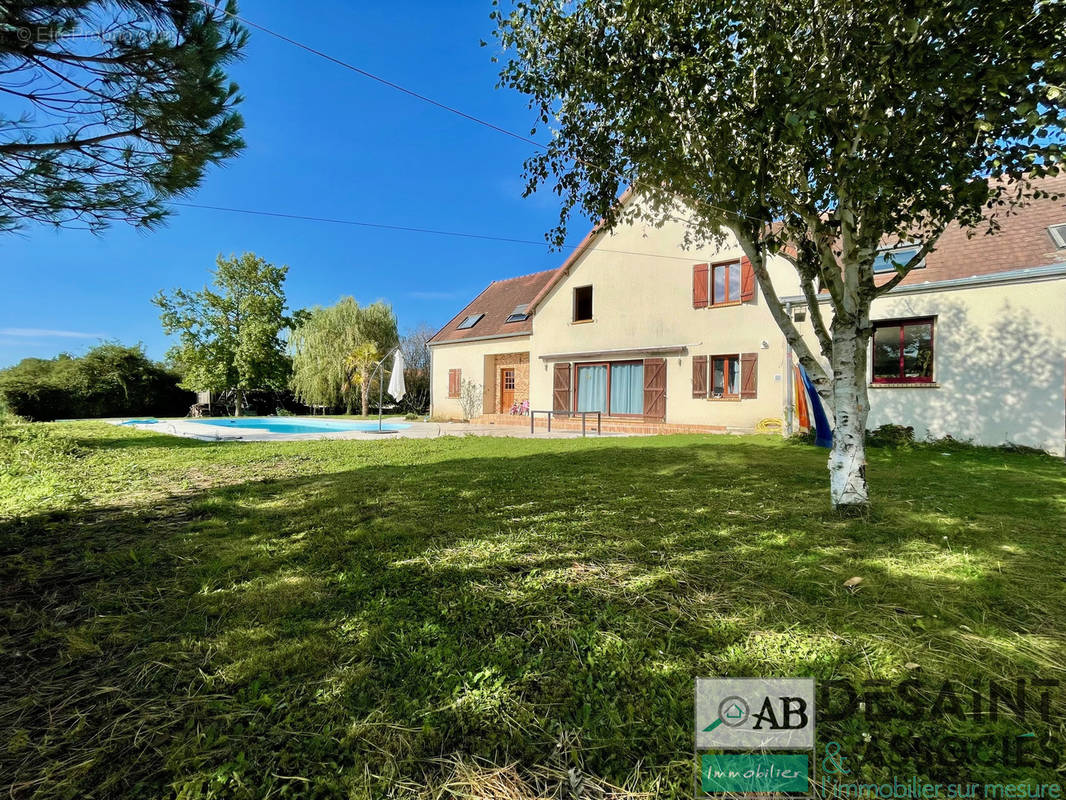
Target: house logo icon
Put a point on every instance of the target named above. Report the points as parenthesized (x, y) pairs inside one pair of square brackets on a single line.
[(733, 711)]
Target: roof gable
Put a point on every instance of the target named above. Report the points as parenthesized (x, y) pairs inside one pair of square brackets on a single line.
[(564, 268)]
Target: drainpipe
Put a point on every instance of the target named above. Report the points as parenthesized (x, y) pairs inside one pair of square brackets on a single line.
[(429, 374), (787, 428)]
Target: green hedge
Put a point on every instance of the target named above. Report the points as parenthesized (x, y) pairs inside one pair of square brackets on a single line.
[(108, 381)]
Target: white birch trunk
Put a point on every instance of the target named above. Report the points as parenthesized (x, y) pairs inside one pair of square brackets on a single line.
[(851, 407)]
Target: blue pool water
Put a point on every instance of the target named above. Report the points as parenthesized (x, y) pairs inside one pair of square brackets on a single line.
[(297, 424)]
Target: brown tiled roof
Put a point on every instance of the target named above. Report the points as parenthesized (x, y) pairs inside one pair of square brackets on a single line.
[(496, 302), (1022, 241)]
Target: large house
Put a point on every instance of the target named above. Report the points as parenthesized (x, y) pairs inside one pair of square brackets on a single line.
[(655, 337)]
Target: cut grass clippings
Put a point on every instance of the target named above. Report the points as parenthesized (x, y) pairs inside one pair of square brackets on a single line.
[(494, 618)]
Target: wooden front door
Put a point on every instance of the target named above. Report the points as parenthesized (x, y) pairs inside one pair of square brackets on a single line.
[(506, 390)]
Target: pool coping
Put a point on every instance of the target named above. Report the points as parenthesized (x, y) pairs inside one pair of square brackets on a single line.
[(191, 429)]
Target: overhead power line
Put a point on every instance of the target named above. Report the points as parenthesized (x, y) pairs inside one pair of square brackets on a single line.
[(360, 224), (409, 229), (367, 74), (452, 109)]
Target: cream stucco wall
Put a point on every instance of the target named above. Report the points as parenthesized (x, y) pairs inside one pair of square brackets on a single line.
[(642, 299), (999, 365), (472, 358)]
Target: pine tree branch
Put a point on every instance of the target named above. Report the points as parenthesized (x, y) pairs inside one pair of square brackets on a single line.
[(72, 144)]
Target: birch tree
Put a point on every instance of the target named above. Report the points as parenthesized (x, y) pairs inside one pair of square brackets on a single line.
[(811, 130)]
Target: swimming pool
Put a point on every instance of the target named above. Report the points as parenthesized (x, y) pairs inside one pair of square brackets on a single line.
[(296, 424)]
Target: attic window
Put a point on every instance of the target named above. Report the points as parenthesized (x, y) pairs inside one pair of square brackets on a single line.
[(1058, 234), (583, 304), (470, 321), (519, 314)]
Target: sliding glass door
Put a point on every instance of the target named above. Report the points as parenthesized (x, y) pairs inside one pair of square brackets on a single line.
[(592, 388), (627, 388), (616, 388)]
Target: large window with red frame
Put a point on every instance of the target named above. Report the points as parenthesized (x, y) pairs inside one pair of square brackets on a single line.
[(903, 351)]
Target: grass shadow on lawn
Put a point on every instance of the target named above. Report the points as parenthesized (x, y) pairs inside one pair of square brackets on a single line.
[(146, 442), (355, 632)]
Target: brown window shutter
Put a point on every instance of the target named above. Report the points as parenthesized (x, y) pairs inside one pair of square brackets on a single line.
[(749, 376), (699, 286), (455, 380), (561, 389), (655, 389), (699, 376), (747, 280)]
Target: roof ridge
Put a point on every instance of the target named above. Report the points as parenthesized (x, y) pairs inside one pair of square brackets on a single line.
[(527, 275)]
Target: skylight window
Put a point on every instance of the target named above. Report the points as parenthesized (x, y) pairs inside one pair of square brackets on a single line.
[(470, 321), (519, 314), (890, 258), (1058, 234)]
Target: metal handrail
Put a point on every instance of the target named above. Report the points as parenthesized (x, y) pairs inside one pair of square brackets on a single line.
[(584, 414)]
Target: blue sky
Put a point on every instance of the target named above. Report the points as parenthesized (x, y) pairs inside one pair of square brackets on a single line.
[(322, 141)]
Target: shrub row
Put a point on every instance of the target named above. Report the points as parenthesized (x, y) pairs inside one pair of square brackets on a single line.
[(110, 380)]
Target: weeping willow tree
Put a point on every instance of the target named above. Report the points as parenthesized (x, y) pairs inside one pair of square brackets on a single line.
[(322, 348)]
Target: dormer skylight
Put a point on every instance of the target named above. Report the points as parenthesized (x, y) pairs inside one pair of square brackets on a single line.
[(470, 321), (519, 314), (890, 258), (1058, 234)]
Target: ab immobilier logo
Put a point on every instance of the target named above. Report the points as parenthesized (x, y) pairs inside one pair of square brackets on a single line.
[(754, 736)]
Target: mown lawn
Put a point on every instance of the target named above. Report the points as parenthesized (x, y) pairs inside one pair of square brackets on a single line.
[(492, 618)]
